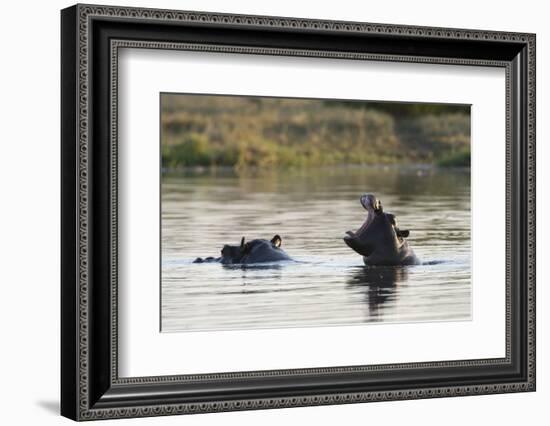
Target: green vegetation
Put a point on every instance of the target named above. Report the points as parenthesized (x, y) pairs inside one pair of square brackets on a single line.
[(456, 159), (267, 133)]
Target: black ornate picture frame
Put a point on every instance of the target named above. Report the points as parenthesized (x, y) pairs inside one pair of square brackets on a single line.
[(90, 385)]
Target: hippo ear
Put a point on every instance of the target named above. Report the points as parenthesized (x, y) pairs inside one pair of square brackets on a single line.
[(276, 241), (404, 234), (242, 242)]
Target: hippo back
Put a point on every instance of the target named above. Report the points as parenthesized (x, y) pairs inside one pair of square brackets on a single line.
[(258, 251)]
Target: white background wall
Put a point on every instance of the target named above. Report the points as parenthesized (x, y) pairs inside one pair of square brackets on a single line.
[(29, 211)]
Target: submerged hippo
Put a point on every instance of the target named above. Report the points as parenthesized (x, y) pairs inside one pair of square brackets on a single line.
[(379, 240), (254, 251)]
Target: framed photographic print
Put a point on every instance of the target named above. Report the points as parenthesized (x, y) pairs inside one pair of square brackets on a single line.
[(263, 212)]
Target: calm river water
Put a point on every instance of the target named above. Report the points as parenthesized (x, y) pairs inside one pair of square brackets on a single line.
[(311, 210)]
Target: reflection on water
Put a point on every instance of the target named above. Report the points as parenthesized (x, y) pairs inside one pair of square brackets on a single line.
[(327, 284), (378, 284)]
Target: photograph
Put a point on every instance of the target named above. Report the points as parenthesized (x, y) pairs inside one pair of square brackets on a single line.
[(302, 212), (266, 209)]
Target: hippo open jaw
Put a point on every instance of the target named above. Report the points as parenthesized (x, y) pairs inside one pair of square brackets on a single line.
[(373, 206)]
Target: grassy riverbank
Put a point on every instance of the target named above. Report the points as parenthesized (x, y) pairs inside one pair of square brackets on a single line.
[(248, 132)]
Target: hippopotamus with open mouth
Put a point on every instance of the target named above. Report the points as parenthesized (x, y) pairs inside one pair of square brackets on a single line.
[(254, 251), (379, 240)]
